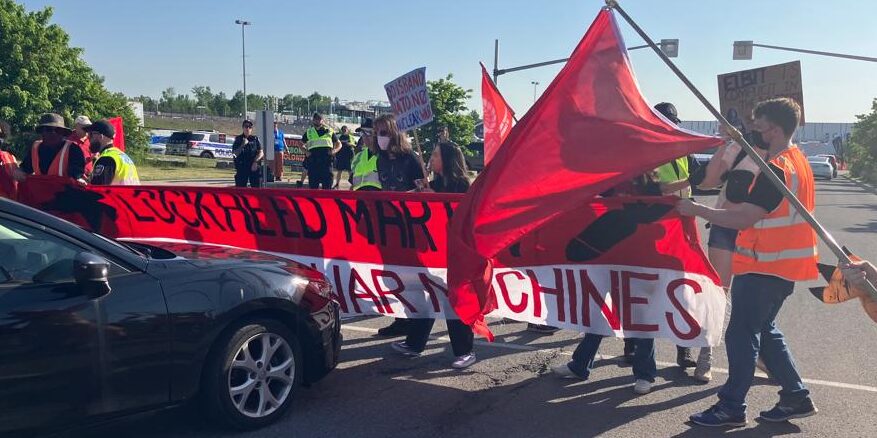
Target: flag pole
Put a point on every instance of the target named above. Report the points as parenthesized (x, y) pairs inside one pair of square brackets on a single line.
[(738, 137)]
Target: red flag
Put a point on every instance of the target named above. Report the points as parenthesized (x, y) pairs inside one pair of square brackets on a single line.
[(119, 139), (590, 130), (497, 116)]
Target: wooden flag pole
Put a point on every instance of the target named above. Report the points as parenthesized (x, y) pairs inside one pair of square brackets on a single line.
[(738, 137)]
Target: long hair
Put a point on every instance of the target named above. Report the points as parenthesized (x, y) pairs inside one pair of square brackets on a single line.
[(398, 140), (453, 166)]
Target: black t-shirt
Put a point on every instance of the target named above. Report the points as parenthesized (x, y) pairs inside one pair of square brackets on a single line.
[(398, 174), (439, 186), (320, 158), (75, 162), (245, 154), (104, 170), (764, 194)]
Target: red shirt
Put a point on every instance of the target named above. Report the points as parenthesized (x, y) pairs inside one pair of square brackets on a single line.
[(85, 145)]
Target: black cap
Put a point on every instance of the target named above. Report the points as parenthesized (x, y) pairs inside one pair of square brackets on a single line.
[(367, 123), (669, 111), (102, 127), (247, 122), (318, 116)]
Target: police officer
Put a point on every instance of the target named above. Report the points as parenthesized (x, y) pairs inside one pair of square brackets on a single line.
[(113, 167), (248, 155), (364, 174), (322, 144)]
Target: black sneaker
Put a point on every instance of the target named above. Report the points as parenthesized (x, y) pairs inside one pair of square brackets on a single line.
[(542, 329), (399, 327), (781, 412), (718, 417), (683, 358)]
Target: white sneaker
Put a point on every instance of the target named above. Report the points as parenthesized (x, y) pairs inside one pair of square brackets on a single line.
[(564, 372), (704, 369), (642, 387), (464, 361)]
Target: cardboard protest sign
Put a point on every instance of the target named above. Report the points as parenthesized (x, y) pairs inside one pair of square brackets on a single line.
[(410, 99), (740, 91), (622, 266)]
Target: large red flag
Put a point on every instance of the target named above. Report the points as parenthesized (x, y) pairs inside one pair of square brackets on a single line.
[(590, 130), (119, 126), (497, 116)]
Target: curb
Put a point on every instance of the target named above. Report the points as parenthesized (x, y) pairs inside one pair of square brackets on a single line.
[(869, 187)]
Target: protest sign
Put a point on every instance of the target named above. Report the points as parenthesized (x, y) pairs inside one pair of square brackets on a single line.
[(410, 99), (740, 91), (626, 267)]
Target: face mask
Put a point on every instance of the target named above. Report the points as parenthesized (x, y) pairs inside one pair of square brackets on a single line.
[(758, 141), (383, 142)]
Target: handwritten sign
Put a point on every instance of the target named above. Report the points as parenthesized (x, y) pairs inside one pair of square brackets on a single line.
[(740, 91), (410, 100)]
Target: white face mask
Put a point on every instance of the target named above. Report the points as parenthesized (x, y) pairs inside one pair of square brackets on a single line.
[(383, 142)]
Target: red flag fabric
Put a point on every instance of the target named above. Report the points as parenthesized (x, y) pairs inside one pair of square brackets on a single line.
[(590, 130), (498, 116), (119, 126)]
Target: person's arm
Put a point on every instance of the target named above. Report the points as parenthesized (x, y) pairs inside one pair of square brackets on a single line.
[(21, 172), (763, 199), (336, 144), (673, 187), (259, 154), (716, 167), (76, 163), (858, 272), (104, 170)]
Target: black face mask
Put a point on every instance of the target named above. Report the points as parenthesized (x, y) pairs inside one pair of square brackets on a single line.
[(755, 139)]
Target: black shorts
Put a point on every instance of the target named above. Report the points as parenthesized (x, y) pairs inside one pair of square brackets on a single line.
[(722, 238)]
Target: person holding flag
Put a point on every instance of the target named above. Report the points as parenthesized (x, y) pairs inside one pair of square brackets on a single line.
[(775, 248)]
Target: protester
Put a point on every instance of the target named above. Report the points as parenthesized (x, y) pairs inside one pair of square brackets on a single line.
[(444, 134), (52, 154), (8, 185), (279, 152), (644, 366), (322, 144), (399, 170), (449, 167), (79, 137), (248, 155), (775, 248), (113, 167), (344, 156), (365, 164)]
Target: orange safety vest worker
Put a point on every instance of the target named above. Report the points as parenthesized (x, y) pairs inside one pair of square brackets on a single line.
[(8, 185), (59, 163), (783, 244)]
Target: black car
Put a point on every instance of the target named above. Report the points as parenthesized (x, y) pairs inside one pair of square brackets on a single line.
[(92, 329)]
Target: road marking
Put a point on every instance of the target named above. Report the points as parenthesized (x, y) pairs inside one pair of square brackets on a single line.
[(529, 348)]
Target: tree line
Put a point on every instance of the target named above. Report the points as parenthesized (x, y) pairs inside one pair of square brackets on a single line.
[(203, 100)]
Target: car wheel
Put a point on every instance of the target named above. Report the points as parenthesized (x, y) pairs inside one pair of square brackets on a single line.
[(251, 380), (206, 155)]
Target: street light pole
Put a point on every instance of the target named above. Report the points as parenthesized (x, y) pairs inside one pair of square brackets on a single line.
[(244, 59), (743, 50), (535, 84)]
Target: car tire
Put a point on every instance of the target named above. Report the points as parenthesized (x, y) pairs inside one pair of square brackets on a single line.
[(238, 387), (206, 155)]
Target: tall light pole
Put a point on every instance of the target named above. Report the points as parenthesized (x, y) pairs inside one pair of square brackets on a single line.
[(535, 84), (743, 50), (244, 59)]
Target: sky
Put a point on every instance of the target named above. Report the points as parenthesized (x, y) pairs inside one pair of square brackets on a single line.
[(350, 49)]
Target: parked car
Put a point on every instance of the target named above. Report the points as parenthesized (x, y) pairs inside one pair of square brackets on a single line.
[(92, 328), (204, 144), (833, 160), (822, 167), (475, 161), (158, 145)]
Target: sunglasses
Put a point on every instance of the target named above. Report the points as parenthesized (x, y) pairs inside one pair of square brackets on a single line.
[(248, 126)]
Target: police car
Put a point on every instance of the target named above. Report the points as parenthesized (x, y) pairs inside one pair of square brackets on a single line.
[(202, 144)]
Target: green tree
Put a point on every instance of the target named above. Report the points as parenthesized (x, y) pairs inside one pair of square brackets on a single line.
[(448, 102), (863, 145), (40, 72)]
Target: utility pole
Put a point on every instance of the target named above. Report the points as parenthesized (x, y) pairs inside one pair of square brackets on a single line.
[(244, 59)]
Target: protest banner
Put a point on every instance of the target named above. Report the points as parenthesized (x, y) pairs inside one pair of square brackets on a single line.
[(410, 99), (619, 267), (740, 91)]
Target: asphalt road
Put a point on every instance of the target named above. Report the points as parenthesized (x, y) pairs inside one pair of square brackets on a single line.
[(511, 392)]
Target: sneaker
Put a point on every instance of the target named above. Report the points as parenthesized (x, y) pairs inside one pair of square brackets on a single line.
[(703, 372), (542, 329), (781, 413), (564, 372), (642, 387), (717, 417), (405, 349), (683, 358), (399, 327), (464, 361)]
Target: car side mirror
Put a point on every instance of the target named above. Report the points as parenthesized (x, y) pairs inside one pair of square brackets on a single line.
[(91, 272)]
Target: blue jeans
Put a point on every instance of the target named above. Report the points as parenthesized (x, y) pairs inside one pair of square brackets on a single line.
[(755, 302), (644, 367)]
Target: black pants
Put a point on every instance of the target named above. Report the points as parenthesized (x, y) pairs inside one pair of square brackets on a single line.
[(461, 335), (244, 176), (321, 177)]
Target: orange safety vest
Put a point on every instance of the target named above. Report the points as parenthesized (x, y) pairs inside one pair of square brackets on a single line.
[(59, 164), (783, 244), (8, 185)]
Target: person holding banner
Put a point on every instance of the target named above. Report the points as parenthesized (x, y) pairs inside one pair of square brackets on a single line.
[(248, 155), (399, 170), (775, 248), (449, 167)]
